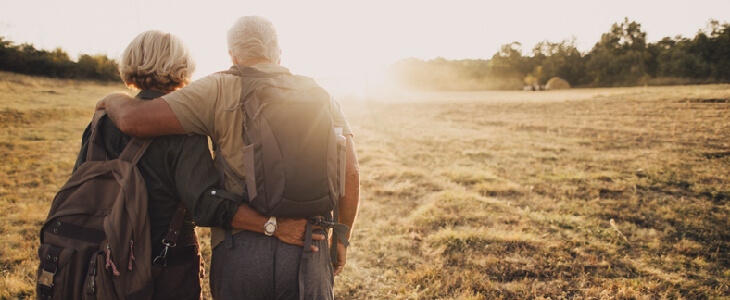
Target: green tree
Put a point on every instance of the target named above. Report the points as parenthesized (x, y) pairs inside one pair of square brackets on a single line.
[(620, 57), (673, 59), (9, 56), (509, 62), (623, 38), (106, 69), (559, 60), (715, 48), (706, 56), (26, 59)]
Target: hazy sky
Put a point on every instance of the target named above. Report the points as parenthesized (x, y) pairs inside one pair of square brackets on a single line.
[(333, 38)]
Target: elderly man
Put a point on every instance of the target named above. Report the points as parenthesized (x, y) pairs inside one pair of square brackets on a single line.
[(245, 264)]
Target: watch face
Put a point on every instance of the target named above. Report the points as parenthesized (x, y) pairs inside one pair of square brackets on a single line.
[(270, 228)]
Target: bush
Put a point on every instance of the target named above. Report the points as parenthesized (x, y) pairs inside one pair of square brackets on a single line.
[(26, 59)]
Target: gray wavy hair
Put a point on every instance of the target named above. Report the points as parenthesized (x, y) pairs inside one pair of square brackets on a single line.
[(253, 38)]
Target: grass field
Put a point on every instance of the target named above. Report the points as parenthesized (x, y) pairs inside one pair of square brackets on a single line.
[(581, 194)]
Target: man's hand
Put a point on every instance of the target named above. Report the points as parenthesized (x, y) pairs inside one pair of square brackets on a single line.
[(101, 104), (292, 231), (338, 265)]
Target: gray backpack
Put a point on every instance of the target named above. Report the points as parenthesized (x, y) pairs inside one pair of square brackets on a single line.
[(291, 156)]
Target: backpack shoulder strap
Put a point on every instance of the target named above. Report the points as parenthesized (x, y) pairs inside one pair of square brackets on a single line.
[(135, 149), (97, 150)]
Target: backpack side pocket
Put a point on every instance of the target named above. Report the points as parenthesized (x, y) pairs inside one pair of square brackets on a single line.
[(98, 283)]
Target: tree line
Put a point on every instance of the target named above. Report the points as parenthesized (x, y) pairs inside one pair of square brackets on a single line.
[(622, 57), (26, 59)]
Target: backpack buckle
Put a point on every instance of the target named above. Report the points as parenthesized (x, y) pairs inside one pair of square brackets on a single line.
[(46, 279), (91, 286), (317, 221), (161, 260), (168, 245)]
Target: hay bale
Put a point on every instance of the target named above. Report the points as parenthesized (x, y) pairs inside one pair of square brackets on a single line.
[(557, 83)]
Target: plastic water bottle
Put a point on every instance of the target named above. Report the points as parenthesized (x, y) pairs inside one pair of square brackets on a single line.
[(340, 138), (341, 158)]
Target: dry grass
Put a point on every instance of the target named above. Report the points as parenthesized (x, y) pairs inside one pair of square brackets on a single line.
[(41, 122), (468, 195), (510, 195)]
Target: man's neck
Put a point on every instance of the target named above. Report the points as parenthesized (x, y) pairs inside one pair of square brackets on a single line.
[(251, 63)]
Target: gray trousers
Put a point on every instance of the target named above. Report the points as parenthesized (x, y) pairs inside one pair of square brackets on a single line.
[(252, 265)]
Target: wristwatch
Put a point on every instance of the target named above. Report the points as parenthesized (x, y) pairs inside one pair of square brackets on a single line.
[(270, 226)]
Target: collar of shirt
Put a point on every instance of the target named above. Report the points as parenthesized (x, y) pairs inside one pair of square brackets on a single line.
[(263, 70), (149, 94)]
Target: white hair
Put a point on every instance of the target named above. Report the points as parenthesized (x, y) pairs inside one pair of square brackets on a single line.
[(253, 38), (156, 60)]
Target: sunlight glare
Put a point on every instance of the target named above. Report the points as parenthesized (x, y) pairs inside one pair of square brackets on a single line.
[(361, 84)]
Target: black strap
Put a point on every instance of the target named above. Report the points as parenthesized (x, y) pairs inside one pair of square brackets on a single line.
[(339, 233), (306, 259), (170, 239), (173, 234), (96, 150), (75, 232), (335, 236)]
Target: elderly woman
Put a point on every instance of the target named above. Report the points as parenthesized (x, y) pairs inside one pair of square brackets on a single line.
[(175, 168)]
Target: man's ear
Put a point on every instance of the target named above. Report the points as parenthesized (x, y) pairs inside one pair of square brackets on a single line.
[(233, 58)]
